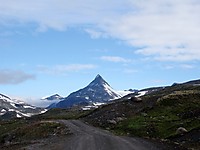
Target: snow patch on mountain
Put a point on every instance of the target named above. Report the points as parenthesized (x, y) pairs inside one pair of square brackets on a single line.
[(31, 107), (112, 92), (98, 91), (53, 97), (141, 93), (17, 107), (124, 93)]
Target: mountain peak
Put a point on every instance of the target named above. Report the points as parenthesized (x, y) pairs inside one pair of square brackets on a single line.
[(98, 76), (98, 81), (98, 91)]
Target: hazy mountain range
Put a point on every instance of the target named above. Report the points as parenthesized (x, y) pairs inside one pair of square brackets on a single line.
[(12, 108)]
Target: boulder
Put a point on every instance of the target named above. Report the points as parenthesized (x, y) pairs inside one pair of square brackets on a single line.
[(112, 122), (181, 130), (118, 119)]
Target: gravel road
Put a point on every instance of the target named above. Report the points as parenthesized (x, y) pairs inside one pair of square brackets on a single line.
[(86, 137)]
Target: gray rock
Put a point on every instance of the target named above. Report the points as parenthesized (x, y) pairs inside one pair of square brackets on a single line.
[(181, 130), (119, 119), (112, 122)]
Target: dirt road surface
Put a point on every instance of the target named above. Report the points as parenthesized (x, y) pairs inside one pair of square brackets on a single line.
[(86, 137)]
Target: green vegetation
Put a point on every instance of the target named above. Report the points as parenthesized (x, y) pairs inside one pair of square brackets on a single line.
[(27, 130), (58, 113), (21, 131), (171, 111)]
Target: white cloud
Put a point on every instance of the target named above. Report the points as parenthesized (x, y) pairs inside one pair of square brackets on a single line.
[(179, 66), (186, 66), (95, 34), (63, 69), (14, 76), (57, 14), (169, 67), (38, 102), (74, 67), (166, 30), (115, 59)]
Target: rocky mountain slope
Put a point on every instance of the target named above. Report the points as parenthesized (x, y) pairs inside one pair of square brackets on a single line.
[(98, 91), (10, 108)]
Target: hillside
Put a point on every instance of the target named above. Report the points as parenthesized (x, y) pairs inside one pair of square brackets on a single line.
[(158, 115), (166, 116)]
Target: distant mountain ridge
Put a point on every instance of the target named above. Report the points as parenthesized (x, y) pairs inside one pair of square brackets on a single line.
[(191, 82), (11, 108), (53, 97), (98, 91)]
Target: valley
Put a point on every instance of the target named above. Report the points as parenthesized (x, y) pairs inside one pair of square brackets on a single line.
[(100, 75), (153, 118)]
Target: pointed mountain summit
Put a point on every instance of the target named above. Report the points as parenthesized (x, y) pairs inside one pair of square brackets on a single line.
[(98, 91), (98, 82), (99, 78)]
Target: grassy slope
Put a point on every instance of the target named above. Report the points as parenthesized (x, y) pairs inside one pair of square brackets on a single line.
[(58, 113), (20, 132), (159, 116), (178, 109)]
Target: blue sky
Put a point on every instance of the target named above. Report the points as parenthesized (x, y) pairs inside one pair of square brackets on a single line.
[(59, 46)]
